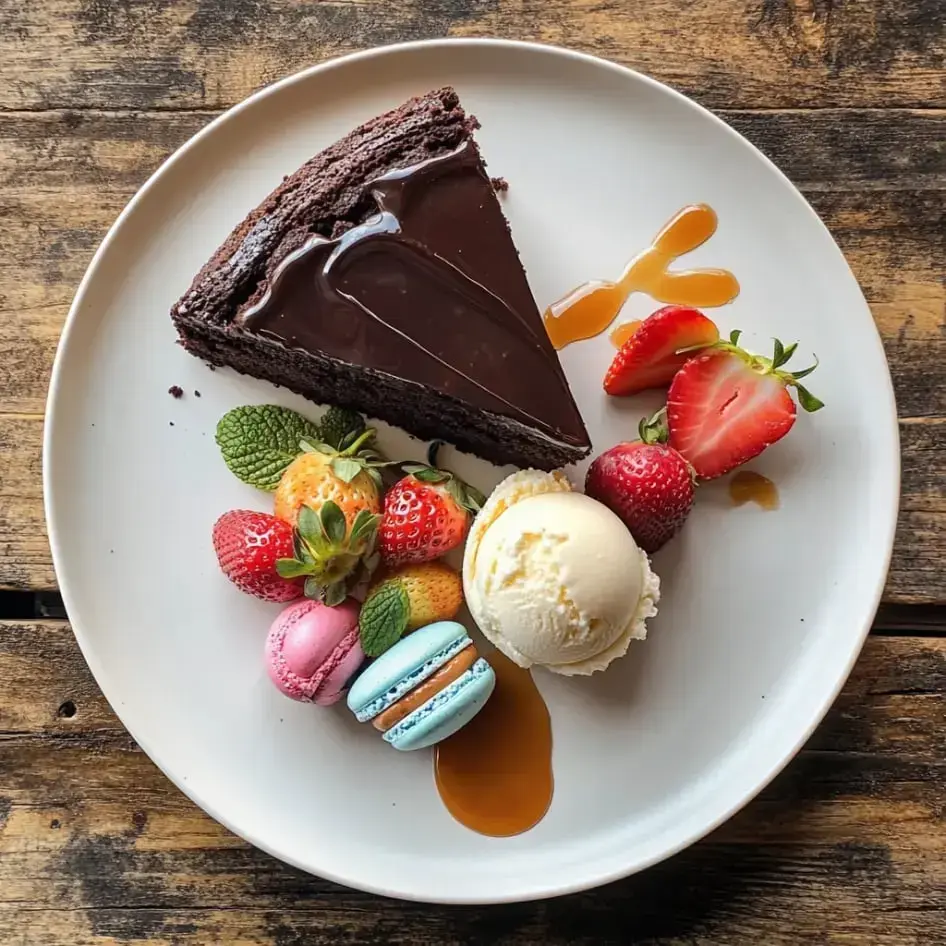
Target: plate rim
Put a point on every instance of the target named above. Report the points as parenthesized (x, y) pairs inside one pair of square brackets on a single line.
[(545, 890)]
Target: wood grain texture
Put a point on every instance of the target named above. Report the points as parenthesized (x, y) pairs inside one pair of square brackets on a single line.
[(134, 54), (97, 847), (878, 179)]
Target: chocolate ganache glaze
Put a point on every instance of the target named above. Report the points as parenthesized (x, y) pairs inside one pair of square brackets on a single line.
[(420, 292)]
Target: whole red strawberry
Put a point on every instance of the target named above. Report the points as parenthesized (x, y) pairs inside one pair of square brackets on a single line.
[(248, 545), (426, 514), (726, 405), (646, 483)]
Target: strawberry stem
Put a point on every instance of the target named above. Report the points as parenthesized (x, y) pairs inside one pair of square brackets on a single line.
[(357, 445), (655, 429), (766, 366)]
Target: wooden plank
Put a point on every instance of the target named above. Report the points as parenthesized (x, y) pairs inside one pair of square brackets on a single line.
[(212, 53), (845, 847), (25, 559)]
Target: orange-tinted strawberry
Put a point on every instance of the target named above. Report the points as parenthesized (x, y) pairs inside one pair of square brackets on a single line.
[(406, 599), (348, 477)]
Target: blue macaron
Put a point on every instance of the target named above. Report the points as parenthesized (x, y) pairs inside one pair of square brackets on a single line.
[(411, 663)]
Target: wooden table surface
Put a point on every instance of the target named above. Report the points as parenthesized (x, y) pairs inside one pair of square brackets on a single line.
[(848, 846)]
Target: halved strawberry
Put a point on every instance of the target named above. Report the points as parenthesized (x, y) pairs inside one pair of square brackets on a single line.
[(725, 406), (658, 348)]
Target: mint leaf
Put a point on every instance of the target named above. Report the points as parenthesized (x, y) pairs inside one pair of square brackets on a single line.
[(258, 442), (341, 427), (383, 618)]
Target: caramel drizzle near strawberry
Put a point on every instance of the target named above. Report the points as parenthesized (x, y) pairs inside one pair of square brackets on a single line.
[(589, 310)]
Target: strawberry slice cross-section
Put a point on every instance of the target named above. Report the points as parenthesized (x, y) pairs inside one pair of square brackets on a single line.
[(725, 406), (659, 347)]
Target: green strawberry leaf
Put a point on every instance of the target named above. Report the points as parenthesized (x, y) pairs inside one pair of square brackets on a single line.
[(798, 375), (475, 500), (383, 618), (345, 468), (787, 353), (258, 442), (309, 525), (333, 522), (428, 475), (291, 568), (313, 589), (308, 447), (301, 549), (364, 527), (734, 336), (341, 427), (335, 594), (807, 400)]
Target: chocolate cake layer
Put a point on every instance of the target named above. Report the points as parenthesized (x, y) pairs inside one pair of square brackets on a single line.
[(382, 276)]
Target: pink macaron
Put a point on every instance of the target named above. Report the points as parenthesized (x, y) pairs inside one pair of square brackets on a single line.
[(312, 650)]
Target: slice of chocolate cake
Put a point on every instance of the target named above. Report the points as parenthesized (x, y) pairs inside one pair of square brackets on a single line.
[(382, 276)]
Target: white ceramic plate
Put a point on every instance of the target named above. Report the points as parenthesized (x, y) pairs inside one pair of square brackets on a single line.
[(763, 613)]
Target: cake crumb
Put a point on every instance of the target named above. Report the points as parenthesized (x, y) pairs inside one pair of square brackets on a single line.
[(171, 422), (500, 184), (196, 393), (176, 391)]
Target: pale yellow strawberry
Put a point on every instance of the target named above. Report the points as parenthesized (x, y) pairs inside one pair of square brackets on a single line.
[(434, 592), (408, 598), (310, 480)]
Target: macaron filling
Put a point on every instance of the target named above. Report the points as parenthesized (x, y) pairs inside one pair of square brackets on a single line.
[(426, 713), (410, 680), (416, 698)]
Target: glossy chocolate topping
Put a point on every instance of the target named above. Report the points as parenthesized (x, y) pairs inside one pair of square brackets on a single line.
[(430, 289)]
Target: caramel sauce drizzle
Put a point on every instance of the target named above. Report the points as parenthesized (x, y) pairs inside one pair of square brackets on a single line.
[(495, 774), (592, 307), (748, 486), (623, 332)]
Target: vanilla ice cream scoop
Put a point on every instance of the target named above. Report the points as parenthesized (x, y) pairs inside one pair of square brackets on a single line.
[(554, 578)]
